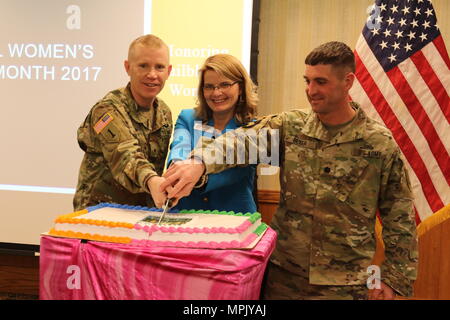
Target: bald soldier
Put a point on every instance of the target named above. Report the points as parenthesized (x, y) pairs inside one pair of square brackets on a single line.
[(126, 134), (338, 168)]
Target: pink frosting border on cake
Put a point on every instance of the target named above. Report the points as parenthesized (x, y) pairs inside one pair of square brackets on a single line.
[(200, 244), (150, 229)]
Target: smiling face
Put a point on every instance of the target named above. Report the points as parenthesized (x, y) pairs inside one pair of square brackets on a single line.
[(327, 88), (148, 69), (220, 101)]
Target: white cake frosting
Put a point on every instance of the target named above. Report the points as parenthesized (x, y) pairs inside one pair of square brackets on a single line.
[(139, 226)]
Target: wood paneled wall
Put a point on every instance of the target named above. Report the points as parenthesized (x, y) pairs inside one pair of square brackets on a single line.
[(433, 280), (19, 274)]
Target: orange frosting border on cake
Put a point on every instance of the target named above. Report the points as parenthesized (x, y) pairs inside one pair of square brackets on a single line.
[(72, 219), (88, 236)]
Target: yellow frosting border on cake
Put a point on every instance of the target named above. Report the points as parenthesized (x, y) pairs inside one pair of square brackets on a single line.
[(88, 236), (72, 218)]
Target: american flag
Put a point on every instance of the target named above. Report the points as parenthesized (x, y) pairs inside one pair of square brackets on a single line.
[(102, 123), (403, 80)]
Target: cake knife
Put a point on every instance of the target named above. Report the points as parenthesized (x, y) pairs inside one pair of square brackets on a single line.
[(166, 207)]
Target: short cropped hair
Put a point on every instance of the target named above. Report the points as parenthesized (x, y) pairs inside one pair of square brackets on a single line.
[(338, 54), (229, 67), (149, 41)]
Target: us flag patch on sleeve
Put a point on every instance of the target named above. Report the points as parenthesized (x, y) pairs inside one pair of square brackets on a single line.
[(103, 122)]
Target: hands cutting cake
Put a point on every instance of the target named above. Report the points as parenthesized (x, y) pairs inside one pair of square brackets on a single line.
[(182, 177)]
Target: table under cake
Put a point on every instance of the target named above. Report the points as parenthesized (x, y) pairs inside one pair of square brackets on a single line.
[(91, 270)]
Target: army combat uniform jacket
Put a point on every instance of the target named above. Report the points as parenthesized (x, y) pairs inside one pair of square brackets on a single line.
[(331, 189), (124, 145)]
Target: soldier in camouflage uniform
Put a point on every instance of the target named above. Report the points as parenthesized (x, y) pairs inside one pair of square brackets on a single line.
[(126, 134), (338, 167)]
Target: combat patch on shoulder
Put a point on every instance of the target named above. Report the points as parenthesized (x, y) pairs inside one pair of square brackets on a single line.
[(103, 122)]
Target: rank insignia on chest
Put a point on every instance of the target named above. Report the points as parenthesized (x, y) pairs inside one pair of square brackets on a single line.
[(103, 122)]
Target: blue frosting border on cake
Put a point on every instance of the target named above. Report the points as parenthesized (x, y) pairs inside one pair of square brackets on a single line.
[(127, 207)]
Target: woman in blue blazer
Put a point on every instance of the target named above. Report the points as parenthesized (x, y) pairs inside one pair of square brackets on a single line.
[(226, 100)]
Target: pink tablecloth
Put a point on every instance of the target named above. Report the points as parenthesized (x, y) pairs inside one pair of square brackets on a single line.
[(72, 269)]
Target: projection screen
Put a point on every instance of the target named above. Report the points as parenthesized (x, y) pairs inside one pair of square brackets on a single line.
[(58, 57)]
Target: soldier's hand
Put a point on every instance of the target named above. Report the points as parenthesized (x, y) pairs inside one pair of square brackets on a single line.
[(384, 293), (159, 197), (182, 177)]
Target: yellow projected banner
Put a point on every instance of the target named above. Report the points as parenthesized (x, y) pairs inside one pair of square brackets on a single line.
[(195, 30)]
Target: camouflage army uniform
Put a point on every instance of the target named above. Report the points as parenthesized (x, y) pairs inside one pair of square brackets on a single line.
[(331, 188), (124, 146)]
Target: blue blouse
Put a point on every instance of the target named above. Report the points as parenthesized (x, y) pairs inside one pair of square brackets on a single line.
[(229, 190)]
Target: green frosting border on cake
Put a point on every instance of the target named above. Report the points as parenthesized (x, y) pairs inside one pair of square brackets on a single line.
[(262, 227), (253, 217)]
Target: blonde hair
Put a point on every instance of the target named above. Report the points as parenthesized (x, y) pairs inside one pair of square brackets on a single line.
[(230, 67), (149, 41)]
